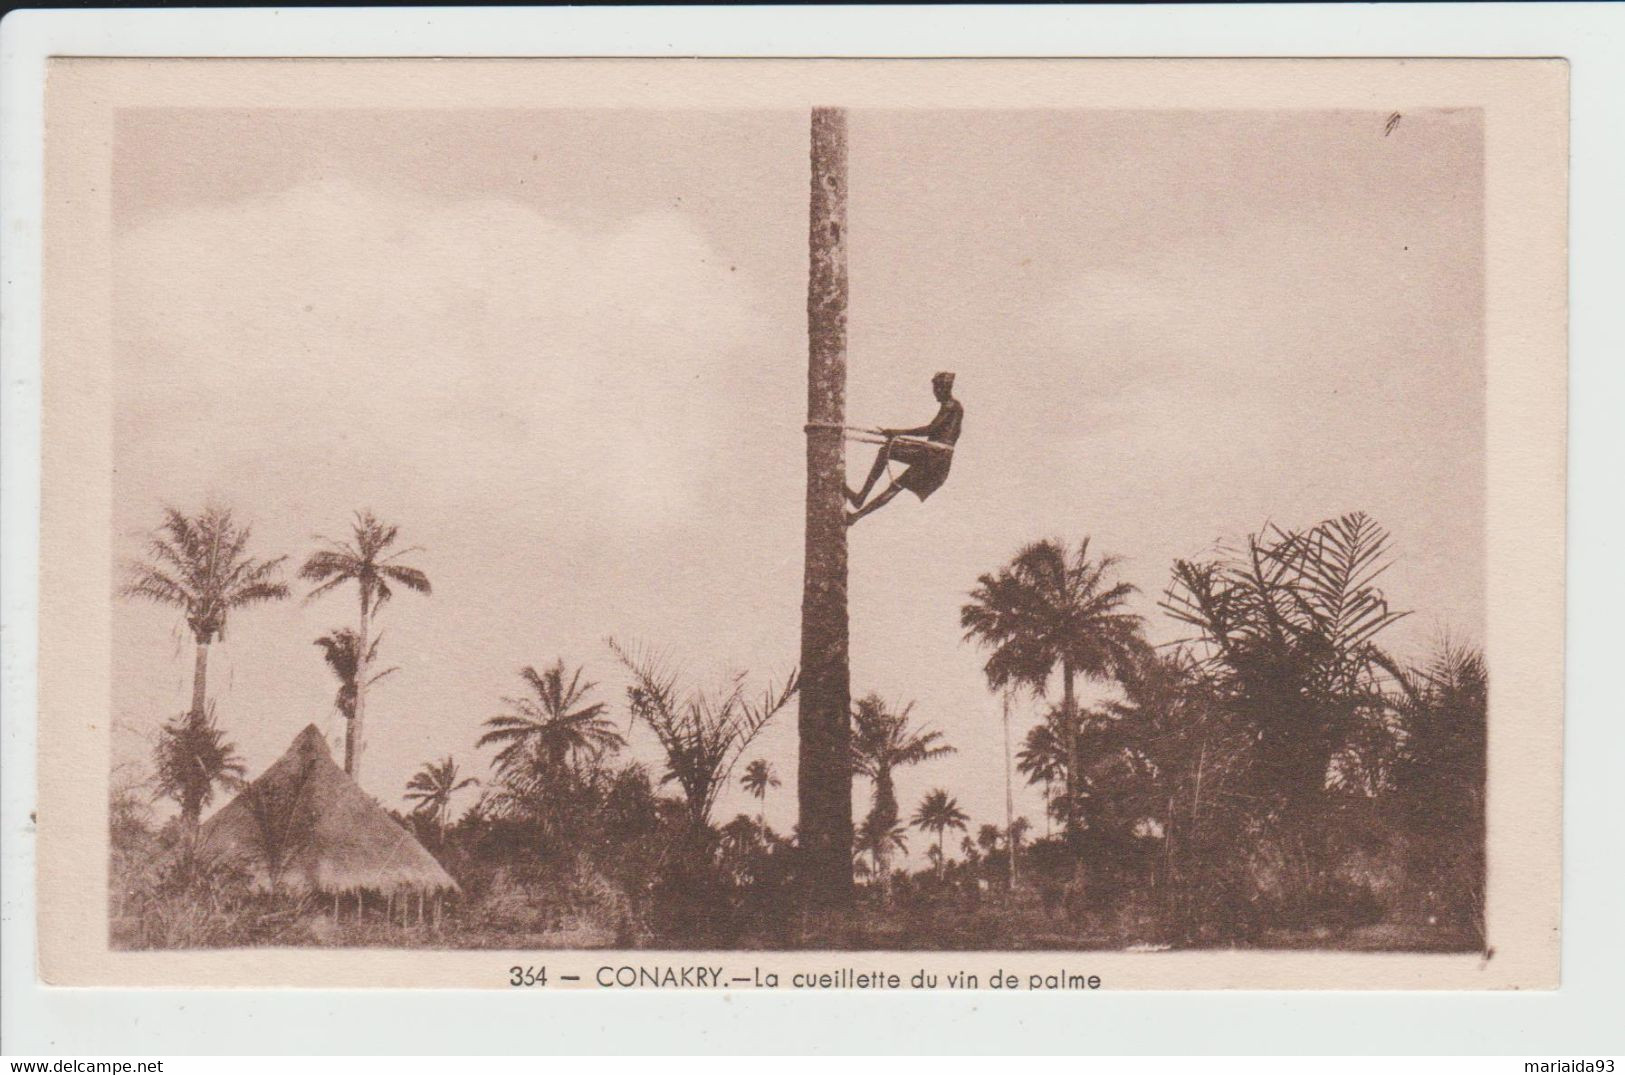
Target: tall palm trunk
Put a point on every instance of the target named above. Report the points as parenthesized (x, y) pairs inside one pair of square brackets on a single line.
[(200, 675), (1069, 713), (352, 736), (191, 802), (884, 816), (885, 798), (1009, 798), (191, 810), (824, 773)]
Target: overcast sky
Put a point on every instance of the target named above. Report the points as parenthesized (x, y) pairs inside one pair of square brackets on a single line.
[(566, 353)]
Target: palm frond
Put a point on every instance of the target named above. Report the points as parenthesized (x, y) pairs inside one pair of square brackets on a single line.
[(701, 733), (149, 584), (1049, 608), (327, 564), (200, 564), (409, 577), (553, 727)]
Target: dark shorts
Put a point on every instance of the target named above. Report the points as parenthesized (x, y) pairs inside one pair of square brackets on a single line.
[(927, 467)]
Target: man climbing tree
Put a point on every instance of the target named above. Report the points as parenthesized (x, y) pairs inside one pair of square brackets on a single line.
[(927, 460)]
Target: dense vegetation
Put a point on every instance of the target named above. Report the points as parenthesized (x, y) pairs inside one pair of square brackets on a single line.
[(1277, 778)]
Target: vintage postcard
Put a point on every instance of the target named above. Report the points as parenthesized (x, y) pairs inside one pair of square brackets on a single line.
[(749, 524)]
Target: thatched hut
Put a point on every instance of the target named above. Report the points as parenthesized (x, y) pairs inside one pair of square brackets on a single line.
[(305, 827)]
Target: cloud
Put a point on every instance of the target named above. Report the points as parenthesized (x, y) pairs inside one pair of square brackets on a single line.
[(547, 405), (352, 324)]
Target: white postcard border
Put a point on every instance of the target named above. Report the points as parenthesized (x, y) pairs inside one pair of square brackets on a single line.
[(781, 1022)]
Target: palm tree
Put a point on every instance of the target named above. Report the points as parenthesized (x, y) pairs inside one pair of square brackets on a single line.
[(1046, 758), (824, 787), (703, 733), (554, 728), (364, 560), (1017, 834), (339, 649), (1013, 838), (432, 787), (883, 742), (741, 835), (192, 757), (200, 565), (741, 843), (757, 778), (1042, 760), (878, 842), (1439, 778), (1042, 757), (1048, 609), (938, 813), (1287, 631)]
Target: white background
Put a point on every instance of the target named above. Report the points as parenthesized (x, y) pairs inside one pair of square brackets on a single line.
[(1577, 1020)]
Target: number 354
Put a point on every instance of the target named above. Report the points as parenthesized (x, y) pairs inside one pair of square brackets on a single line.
[(525, 976)]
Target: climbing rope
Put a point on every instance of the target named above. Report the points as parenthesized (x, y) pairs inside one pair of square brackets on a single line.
[(810, 426), (866, 435)]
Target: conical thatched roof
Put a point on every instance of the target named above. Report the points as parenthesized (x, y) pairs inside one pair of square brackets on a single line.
[(306, 826)]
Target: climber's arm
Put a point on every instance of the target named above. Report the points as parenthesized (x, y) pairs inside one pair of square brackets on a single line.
[(936, 425)]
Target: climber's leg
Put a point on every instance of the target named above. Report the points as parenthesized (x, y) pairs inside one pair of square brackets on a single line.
[(875, 472), (876, 504)]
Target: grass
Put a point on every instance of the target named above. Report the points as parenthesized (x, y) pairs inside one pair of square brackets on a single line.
[(953, 923)]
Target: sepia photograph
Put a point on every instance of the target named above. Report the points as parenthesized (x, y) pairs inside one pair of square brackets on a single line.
[(731, 525)]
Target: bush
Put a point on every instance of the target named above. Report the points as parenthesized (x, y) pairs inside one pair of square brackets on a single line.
[(186, 900)]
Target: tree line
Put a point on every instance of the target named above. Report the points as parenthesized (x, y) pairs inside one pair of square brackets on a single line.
[(1276, 768)]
